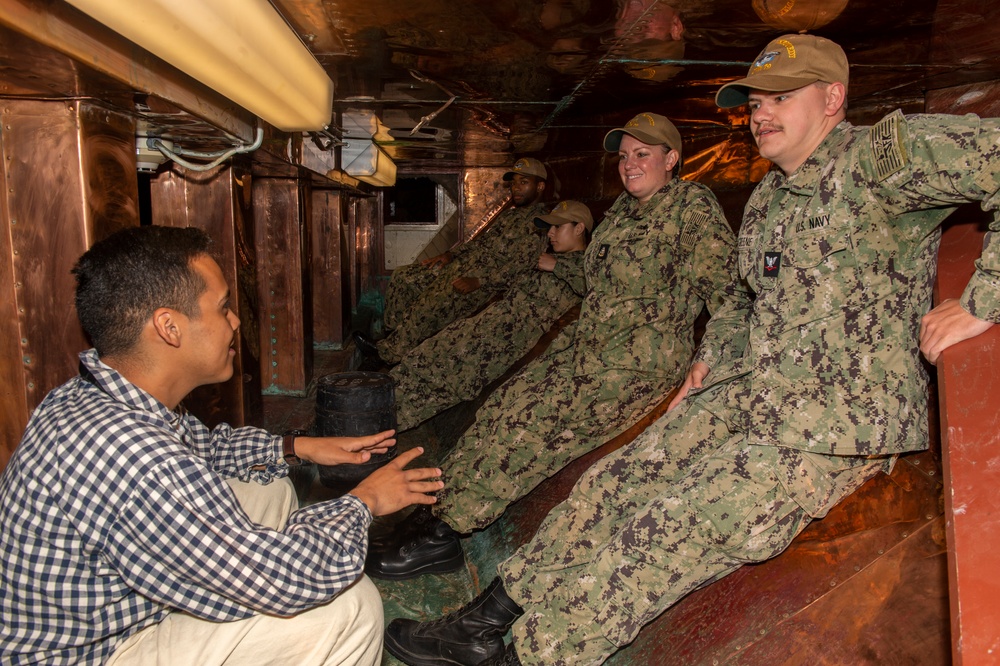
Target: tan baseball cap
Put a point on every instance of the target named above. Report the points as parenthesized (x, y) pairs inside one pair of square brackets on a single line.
[(788, 63), (527, 166), (650, 128), (566, 212)]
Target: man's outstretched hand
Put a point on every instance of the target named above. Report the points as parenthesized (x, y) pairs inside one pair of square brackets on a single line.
[(343, 450), (391, 488)]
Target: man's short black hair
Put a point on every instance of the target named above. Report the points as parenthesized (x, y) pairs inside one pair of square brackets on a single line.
[(123, 279)]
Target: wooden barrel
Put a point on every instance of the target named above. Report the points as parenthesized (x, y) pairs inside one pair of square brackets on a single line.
[(350, 404)]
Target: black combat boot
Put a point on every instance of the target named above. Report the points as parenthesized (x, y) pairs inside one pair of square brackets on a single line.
[(469, 636), (420, 545), (413, 523), (367, 346), (508, 658)]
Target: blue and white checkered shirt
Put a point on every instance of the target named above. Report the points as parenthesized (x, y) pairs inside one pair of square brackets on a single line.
[(114, 512)]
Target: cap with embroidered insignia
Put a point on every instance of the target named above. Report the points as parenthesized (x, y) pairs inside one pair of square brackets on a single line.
[(527, 166), (650, 128), (565, 212), (788, 63)]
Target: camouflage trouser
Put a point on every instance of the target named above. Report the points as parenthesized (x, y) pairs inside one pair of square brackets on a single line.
[(436, 306), (405, 286), (539, 421), (686, 503), (461, 360)]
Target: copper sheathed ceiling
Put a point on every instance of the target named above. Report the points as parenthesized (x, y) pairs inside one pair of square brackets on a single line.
[(549, 76), (467, 83)]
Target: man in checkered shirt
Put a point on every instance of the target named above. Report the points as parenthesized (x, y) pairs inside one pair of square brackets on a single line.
[(132, 534)]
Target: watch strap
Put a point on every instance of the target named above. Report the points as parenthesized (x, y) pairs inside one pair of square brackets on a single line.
[(288, 448)]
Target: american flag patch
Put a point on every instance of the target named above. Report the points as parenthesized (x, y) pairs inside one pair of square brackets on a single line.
[(692, 229), (888, 151)]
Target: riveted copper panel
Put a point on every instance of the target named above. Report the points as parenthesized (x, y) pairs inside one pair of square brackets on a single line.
[(280, 209), (329, 297), (13, 397), (69, 178), (348, 233), (218, 202), (484, 195), (361, 238)]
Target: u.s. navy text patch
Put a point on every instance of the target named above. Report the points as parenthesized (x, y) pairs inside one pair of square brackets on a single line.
[(812, 223)]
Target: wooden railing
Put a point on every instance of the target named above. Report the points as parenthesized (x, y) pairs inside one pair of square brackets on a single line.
[(969, 392)]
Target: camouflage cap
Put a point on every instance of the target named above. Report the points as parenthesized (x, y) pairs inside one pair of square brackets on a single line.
[(788, 63), (566, 212), (527, 166), (650, 128)]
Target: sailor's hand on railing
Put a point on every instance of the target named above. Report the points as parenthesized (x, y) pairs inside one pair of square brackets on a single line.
[(466, 285), (946, 325), (695, 376), (440, 260)]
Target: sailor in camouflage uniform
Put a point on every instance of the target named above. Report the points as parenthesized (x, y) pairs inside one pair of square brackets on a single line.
[(663, 251), (826, 386), (424, 298), (461, 360)]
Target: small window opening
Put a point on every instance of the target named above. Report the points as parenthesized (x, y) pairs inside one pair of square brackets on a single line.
[(412, 201)]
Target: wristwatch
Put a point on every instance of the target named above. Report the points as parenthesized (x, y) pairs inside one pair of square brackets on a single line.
[(288, 445)]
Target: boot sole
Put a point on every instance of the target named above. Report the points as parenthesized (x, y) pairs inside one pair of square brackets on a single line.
[(411, 659), (453, 563)]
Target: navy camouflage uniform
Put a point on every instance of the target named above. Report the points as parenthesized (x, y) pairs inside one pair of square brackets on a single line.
[(826, 387), (650, 269), (457, 363), (421, 300)]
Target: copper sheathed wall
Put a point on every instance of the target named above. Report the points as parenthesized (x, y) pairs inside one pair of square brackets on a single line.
[(219, 202), (281, 209), (330, 299), (69, 179), (368, 239)]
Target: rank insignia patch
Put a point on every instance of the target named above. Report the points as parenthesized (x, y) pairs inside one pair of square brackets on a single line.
[(772, 264), (602, 252)]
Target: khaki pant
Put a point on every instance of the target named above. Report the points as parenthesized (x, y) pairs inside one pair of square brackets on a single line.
[(348, 630)]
